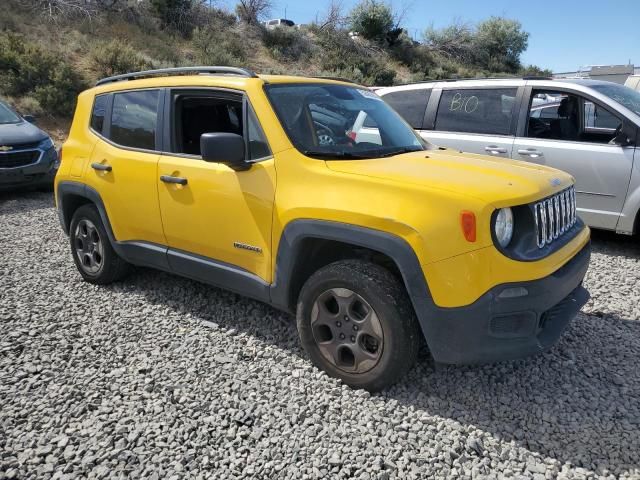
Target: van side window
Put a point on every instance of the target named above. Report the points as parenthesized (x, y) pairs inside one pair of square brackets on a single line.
[(198, 113), (410, 104), (257, 142), (566, 116), (488, 111), (98, 112), (134, 119)]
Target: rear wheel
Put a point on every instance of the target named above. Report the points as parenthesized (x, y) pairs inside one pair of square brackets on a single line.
[(356, 322), (92, 252)]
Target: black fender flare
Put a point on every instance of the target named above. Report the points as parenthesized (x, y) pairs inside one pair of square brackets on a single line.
[(290, 251)]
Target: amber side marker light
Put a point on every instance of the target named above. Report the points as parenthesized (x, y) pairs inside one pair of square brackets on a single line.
[(468, 224)]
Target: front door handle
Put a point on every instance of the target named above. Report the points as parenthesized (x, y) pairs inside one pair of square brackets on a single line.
[(176, 180), (495, 150), (102, 167), (530, 152)]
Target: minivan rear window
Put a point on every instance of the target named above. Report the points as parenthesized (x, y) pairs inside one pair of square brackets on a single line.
[(487, 111), (410, 104), (134, 119)]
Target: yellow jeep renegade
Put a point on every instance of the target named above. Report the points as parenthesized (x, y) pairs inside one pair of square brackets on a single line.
[(314, 196)]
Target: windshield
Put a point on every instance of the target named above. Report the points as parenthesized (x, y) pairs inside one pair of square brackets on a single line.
[(336, 121), (7, 115), (623, 95)]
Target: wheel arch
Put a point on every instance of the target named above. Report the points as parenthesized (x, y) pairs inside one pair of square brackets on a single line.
[(307, 245)]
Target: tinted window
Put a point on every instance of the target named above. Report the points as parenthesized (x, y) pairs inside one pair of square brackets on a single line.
[(486, 111), (258, 146), (6, 115), (134, 119), (98, 113), (410, 104)]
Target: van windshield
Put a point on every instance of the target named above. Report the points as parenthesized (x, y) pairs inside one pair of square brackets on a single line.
[(337, 121), (7, 115), (623, 95)]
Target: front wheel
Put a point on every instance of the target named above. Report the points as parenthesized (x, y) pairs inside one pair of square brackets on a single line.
[(92, 252), (356, 323)]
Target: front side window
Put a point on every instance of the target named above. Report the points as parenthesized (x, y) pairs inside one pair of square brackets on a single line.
[(98, 112), (256, 140), (134, 119), (197, 113), (487, 111), (327, 121), (7, 115), (410, 104), (569, 117)]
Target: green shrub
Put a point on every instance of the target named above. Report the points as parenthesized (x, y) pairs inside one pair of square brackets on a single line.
[(372, 19), (287, 43), (27, 69), (217, 46), (116, 57)]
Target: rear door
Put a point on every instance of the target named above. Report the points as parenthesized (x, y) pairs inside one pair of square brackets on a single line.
[(474, 119), (575, 134)]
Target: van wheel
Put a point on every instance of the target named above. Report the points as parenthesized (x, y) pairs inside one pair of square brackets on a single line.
[(92, 252), (356, 323)]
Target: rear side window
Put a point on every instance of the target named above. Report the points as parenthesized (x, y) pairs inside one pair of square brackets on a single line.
[(410, 104), (487, 111), (134, 119), (98, 113)]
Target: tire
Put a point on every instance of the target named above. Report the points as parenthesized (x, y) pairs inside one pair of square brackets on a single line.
[(346, 298), (91, 249)]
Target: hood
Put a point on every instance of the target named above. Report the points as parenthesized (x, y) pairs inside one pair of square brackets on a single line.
[(18, 133), (497, 181)]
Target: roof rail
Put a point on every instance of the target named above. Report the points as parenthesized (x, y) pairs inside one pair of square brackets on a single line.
[(243, 72), (515, 77)]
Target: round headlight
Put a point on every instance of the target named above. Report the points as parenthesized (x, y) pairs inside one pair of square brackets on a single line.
[(503, 227)]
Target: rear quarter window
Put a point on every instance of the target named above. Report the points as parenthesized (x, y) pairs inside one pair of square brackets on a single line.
[(487, 111), (410, 104), (98, 113)]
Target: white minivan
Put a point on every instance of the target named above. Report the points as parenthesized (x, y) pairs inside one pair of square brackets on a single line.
[(588, 128)]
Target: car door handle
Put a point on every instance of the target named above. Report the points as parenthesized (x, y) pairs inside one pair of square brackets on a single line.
[(494, 149), (176, 180), (530, 152), (103, 167)]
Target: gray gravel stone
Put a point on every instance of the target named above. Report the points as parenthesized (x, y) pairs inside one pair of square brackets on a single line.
[(160, 377)]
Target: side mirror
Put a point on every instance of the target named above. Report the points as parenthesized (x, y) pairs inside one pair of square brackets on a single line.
[(29, 118), (625, 135), (227, 148)]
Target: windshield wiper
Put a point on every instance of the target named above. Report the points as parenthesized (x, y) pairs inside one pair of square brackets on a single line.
[(330, 155), (399, 151)]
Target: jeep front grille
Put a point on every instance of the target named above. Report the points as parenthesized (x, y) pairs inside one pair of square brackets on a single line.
[(555, 216), (19, 158)]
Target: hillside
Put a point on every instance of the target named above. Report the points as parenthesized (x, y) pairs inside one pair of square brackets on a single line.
[(52, 49)]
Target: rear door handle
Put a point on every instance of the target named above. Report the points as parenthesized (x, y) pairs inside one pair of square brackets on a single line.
[(176, 180), (103, 167), (530, 152), (494, 149)]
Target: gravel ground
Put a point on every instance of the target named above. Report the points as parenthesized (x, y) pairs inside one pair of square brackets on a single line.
[(160, 377)]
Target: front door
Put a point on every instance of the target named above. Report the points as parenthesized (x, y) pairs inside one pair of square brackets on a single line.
[(124, 163), (210, 211), (572, 133)]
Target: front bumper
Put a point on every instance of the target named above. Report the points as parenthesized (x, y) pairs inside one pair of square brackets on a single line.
[(501, 326), (38, 174)]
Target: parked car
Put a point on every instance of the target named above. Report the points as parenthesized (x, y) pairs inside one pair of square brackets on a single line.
[(27, 154), (588, 128), (377, 246), (279, 22)]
